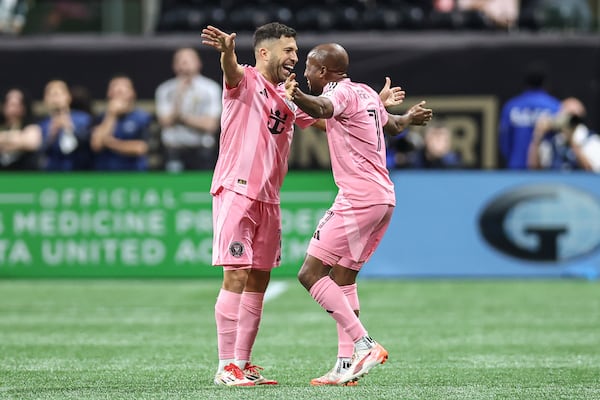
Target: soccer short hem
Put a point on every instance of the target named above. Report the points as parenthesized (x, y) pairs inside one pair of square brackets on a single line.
[(327, 257)]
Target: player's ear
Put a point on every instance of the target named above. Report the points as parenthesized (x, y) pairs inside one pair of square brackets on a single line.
[(263, 53)]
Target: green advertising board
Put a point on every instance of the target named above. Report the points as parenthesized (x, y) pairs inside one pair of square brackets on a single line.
[(134, 225)]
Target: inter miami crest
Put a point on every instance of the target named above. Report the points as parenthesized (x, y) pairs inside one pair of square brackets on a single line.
[(236, 249)]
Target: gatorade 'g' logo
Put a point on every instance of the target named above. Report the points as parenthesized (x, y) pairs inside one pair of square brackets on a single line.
[(542, 222)]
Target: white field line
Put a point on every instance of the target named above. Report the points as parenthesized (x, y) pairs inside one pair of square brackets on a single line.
[(274, 290)]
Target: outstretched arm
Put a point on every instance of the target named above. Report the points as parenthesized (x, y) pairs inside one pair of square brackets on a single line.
[(225, 43), (315, 106), (416, 115)]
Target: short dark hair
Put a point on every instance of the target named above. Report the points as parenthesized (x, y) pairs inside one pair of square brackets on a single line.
[(26, 101), (535, 76), (272, 30)]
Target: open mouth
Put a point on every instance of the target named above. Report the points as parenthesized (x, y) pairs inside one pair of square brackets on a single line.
[(289, 68)]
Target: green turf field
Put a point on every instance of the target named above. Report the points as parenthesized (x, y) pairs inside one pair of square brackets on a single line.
[(156, 340)]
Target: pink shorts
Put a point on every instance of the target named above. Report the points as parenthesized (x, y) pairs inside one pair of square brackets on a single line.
[(349, 236), (246, 232)]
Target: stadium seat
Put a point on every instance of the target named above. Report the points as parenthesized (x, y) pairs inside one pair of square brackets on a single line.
[(247, 18), (348, 18), (182, 20), (324, 15), (313, 18)]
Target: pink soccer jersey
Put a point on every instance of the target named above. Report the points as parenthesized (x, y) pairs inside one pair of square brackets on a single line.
[(257, 126), (357, 145)]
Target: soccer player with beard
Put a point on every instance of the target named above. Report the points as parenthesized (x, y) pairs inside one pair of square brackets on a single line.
[(257, 126), (351, 229)]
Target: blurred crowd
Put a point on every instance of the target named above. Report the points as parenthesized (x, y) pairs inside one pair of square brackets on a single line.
[(70, 137), (536, 130), (306, 15), (348, 15)]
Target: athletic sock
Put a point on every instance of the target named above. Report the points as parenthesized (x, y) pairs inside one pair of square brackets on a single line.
[(227, 310), (329, 295), (251, 307), (345, 343), (223, 364)]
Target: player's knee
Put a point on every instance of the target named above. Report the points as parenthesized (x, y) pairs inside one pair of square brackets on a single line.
[(312, 270), (235, 280), (303, 278), (258, 281), (308, 276)]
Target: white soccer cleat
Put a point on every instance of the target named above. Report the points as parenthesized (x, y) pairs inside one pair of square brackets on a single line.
[(332, 378), (363, 360), (232, 375), (252, 373)]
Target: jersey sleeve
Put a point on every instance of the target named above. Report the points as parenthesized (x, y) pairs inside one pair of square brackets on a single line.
[(337, 95), (234, 92)]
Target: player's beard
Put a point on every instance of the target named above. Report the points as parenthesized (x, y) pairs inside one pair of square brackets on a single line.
[(278, 72)]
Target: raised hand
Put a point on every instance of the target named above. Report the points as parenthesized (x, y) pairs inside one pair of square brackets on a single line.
[(291, 87), (117, 107), (216, 38), (61, 121), (391, 96), (419, 115)]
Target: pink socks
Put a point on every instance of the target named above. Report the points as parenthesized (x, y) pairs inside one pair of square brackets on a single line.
[(238, 317), (345, 343), (227, 310), (331, 297), (251, 308)]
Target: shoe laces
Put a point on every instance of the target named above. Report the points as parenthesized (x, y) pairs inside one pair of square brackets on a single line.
[(253, 369), (235, 370)]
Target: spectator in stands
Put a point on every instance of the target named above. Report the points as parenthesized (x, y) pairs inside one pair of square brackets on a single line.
[(557, 14), (444, 6), (13, 14), (474, 14), (400, 147), (188, 108), (436, 152), (565, 142), (498, 13), (519, 115), (65, 132), (120, 139), (19, 141)]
